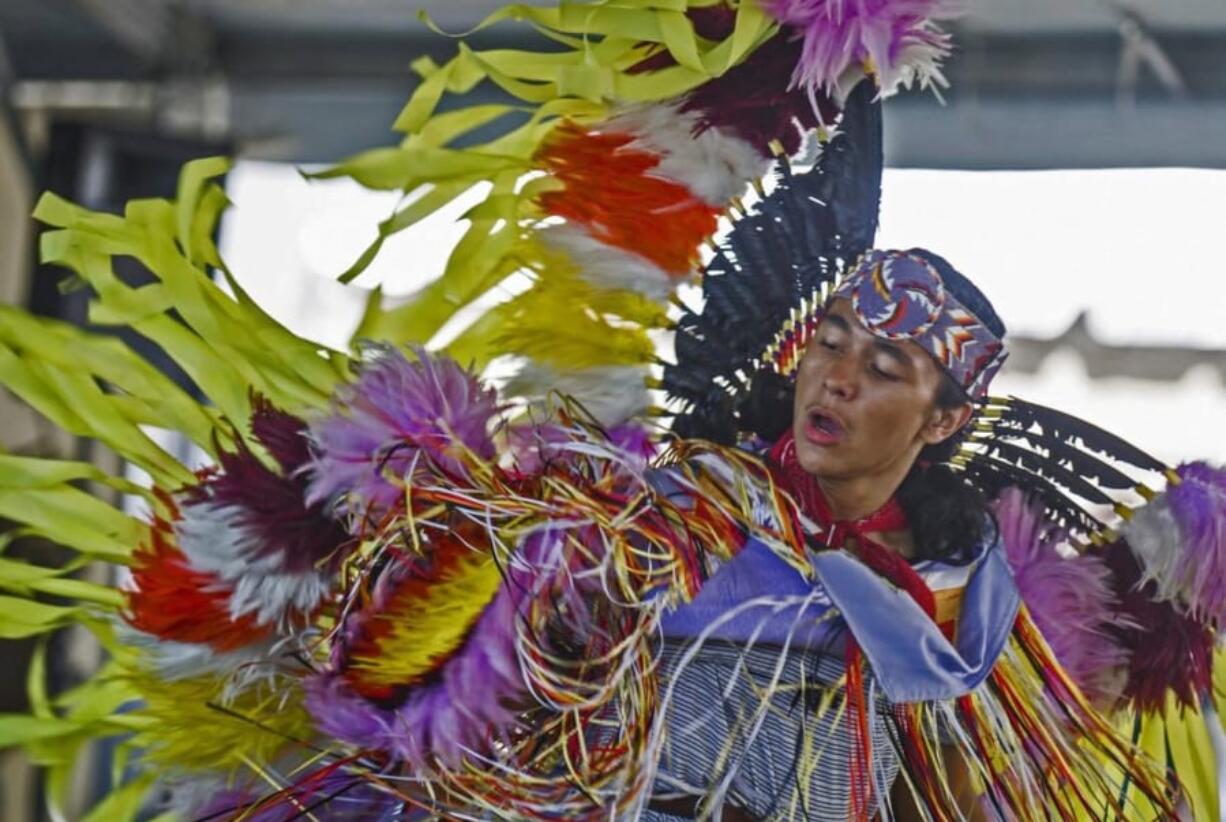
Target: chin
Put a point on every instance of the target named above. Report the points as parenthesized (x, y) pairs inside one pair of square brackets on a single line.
[(819, 461)]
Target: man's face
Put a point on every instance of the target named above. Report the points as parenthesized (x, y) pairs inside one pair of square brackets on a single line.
[(864, 405)]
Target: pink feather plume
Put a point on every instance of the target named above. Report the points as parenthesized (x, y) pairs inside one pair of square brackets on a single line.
[(1070, 597), (896, 40)]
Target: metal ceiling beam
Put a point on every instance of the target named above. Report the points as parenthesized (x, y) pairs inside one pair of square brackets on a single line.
[(1017, 101), (145, 28), (1044, 133), (167, 34)]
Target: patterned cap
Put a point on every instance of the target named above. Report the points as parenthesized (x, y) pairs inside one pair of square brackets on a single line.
[(899, 295)]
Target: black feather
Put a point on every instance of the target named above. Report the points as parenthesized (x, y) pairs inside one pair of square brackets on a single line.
[(1071, 457), (993, 476), (1049, 470), (1073, 430), (812, 226)]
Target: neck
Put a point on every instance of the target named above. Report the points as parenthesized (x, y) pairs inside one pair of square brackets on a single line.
[(852, 498)]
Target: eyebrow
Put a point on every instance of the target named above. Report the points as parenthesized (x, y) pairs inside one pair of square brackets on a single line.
[(837, 321), (893, 352), (889, 349)]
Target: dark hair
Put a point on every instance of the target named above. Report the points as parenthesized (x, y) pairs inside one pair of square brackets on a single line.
[(949, 516)]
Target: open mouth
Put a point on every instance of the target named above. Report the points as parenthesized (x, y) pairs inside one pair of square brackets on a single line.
[(822, 428)]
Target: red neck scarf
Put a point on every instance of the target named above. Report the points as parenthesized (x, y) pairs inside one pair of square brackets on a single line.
[(889, 517)]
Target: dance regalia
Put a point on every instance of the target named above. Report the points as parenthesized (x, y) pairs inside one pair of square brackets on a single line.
[(398, 593)]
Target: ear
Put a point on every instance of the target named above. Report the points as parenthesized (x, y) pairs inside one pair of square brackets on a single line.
[(945, 422)]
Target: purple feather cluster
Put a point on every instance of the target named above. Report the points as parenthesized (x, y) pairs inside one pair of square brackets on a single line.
[(1198, 506), (841, 37), (476, 696), (1071, 599), (400, 414)]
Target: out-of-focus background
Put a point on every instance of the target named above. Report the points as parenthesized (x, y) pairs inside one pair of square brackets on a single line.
[(1074, 169)]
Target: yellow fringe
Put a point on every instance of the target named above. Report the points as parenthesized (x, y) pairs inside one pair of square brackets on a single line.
[(192, 727)]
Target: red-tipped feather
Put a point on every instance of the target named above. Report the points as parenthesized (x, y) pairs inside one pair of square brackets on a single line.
[(421, 612), (173, 601), (610, 191)]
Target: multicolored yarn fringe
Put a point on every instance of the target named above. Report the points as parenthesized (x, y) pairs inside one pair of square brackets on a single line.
[(584, 553), (1032, 742)]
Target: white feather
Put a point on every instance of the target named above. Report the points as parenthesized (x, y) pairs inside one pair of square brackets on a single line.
[(606, 266), (713, 164), (172, 660), (214, 540), (278, 598), (1156, 542), (612, 394), (917, 64)]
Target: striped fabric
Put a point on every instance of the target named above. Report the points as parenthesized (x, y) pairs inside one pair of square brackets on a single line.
[(782, 758)]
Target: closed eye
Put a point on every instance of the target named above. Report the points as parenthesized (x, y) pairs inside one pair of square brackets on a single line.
[(881, 372)]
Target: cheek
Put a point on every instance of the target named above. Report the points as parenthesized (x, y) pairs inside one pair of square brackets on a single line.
[(894, 416), (806, 377), (803, 380)]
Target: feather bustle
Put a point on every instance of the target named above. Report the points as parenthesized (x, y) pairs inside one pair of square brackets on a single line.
[(1070, 598)]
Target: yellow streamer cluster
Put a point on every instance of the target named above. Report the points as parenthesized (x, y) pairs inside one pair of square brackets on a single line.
[(564, 320), (601, 42), (96, 386)]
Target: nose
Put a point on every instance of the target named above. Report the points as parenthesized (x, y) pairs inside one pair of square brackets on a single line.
[(840, 379)]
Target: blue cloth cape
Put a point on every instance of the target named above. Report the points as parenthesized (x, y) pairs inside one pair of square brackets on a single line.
[(911, 659)]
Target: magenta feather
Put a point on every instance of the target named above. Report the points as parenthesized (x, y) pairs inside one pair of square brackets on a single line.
[(1170, 651), (401, 414), (897, 38), (756, 102), (281, 433), (272, 506), (1070, 598)]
